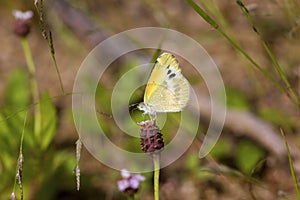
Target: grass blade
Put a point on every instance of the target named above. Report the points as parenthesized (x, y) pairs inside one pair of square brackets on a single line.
[(281, 73), (291, 164), (215, 25)]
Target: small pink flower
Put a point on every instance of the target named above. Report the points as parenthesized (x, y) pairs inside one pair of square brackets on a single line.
[(130, 183)]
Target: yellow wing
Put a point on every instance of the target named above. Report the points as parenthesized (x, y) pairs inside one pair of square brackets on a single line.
[(167, 89)]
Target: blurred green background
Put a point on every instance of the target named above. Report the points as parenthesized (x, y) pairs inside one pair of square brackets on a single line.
[(242, 165)]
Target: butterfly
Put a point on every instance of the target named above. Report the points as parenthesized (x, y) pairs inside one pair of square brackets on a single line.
[(167, 89)]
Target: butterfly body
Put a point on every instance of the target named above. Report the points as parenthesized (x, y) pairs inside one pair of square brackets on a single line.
[(167, 89)]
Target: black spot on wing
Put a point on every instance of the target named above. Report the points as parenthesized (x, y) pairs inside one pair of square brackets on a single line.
[(169, 72), (172, 75)]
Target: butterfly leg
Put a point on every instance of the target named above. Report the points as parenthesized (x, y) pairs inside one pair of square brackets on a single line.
[(153, 116)]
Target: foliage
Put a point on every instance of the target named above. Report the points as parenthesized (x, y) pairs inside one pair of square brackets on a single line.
[(248, 155), (43, 163)]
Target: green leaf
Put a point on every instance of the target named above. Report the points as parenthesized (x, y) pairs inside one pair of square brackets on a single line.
[(11, 127), (17, 93), (192, 161), (221, 149), (236, 99), (277, 117), (248, 155), (193, 165), (49, 120)]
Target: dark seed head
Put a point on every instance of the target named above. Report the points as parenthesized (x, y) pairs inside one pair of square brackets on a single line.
[(151, 137)]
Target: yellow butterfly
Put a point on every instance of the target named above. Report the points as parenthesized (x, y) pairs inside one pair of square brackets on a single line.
[(167, 89)]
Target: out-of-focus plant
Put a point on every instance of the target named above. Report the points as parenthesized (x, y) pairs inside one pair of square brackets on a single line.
[(43, 167), (286, 87), (291, 165), (248, 155), (130, 183)]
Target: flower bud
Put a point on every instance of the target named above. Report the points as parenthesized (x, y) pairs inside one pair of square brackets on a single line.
[(22, 25), (151, 137)]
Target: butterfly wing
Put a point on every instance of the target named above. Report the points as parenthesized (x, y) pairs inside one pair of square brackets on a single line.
[(167, 89)]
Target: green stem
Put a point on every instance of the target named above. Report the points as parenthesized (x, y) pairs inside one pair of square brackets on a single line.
[(131, 197), (156, 175), (291, 165), (288, 90), (34, 87), (281, 73), (215, 25), (50, 44), (48, 37)]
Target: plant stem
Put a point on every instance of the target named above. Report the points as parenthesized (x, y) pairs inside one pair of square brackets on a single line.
[(18, 170), (281, 73), (51, 47), (131, 197), (288, 90), (34, 87), (156, 175), (291, 165)]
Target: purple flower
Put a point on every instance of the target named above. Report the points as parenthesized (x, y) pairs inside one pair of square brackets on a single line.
[(129, 183), (22, 26), (151, 138)]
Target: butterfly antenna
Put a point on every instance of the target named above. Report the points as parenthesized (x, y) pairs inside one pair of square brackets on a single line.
[(132, 105)]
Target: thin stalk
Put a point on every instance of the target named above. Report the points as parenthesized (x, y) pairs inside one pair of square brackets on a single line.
[(291, 164), (18, 167), (34, 87), (213, 9), (131, 197), (288, 90), (47, 35), (51, 47), (216, 13), (214, 24), (281, 73), (156, 175), (77, 169)]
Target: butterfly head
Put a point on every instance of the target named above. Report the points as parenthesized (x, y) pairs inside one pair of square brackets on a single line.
[(143, 107)]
